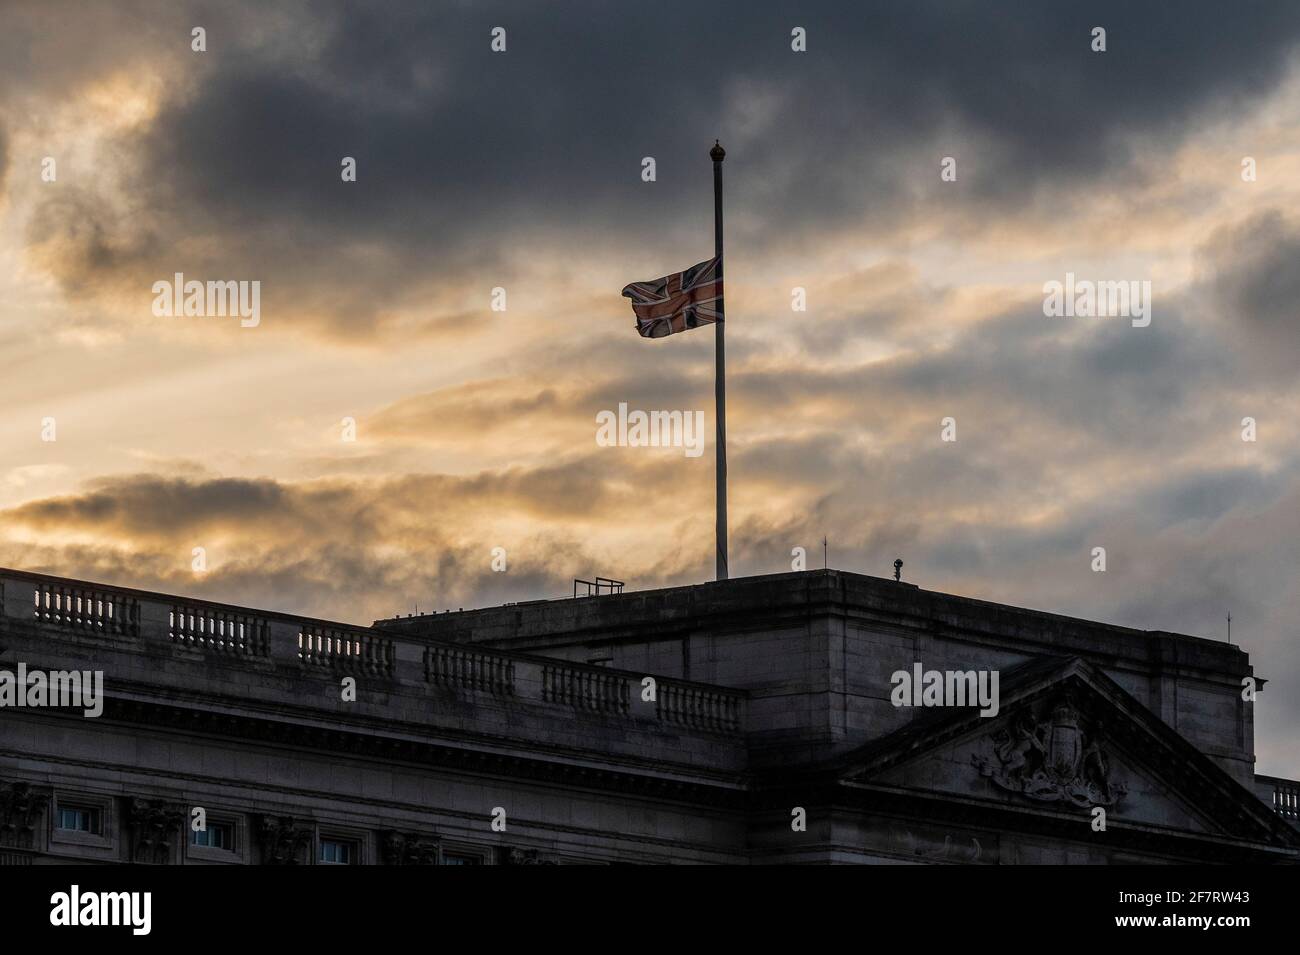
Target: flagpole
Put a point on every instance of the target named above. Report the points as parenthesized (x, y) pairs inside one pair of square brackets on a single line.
[(717, 154)]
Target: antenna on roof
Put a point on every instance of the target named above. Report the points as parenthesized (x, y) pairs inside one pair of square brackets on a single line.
[(1230, 626), (826, 561)]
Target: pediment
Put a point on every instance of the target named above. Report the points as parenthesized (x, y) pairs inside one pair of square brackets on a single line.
[(1067, 739)]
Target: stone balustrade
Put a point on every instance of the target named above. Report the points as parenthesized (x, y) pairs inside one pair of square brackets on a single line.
[(77, 606), (699, 707), (223, 631), (346, 649), (453, 666), (585, 687), (244, 636)]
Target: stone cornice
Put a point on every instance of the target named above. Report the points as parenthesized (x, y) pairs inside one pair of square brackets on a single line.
[(473, 758), (778, 600)]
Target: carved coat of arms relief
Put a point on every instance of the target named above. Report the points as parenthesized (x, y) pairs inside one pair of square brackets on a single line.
[(1058, 758)]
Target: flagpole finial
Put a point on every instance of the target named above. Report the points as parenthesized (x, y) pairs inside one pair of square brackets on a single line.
[(717, 153)]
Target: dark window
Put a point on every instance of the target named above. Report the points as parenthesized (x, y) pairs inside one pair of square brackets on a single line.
[(218, 835), (334, 852), (461, 858), (78, 819)]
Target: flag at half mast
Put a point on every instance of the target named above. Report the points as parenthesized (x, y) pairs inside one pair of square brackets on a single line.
[(679, 301), (690, 299)]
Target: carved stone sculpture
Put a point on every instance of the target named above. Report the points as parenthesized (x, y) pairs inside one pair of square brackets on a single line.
[(513, 856), (1054, 759), (152, 825), (20, 813), (283, 841), (408, 848)]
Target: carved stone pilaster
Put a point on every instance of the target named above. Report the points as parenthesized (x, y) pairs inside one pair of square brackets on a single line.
[(152, 825), (284, 841), (20, 813), (408, 848)]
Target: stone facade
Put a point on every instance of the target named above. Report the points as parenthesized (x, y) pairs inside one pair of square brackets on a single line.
[(696, 724)]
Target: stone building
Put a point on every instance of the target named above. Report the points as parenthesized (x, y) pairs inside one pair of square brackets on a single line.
[(746, 721)]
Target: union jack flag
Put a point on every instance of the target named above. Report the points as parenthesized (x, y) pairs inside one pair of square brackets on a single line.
[(679, 301)]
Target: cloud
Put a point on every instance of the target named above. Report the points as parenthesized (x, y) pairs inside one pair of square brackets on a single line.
[(1253, 278), (468, 159), (4, 160)]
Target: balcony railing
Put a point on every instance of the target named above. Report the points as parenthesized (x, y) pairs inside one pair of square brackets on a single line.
[(246, 637)]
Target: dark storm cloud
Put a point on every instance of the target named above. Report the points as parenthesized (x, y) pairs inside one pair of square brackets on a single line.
[(555, 127), (463, 153), (148, 506)]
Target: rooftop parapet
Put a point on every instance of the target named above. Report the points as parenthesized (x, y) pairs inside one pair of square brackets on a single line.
[(236, 636)]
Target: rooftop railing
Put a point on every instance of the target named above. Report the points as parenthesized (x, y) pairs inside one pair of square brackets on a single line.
[(1286, 796), (244, 636), (699, 707), (585, 687), (453, 666), (222, 631), (85, 607), (349, 649)]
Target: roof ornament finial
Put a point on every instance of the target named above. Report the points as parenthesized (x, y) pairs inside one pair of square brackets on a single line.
[(898, 568)]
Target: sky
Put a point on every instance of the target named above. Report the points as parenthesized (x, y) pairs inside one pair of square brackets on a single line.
[(128, 438)]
